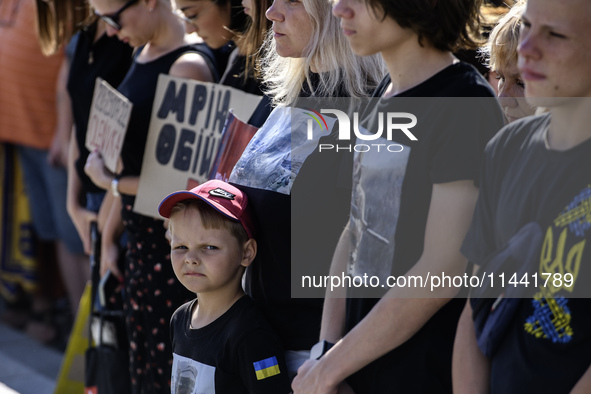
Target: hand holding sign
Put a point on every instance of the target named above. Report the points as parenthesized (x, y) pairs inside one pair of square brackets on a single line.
[(97, 172), (107, 123)]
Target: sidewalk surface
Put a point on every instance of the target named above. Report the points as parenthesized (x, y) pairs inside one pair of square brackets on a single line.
[(26, 366)]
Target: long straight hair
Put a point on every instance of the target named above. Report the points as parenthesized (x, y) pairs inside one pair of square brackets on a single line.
[(250, 42), (341, 72), (58, 20)]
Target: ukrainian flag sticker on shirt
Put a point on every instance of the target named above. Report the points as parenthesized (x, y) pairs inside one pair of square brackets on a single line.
[(266, 368)]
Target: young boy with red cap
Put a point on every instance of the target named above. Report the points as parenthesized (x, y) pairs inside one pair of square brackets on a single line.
[(221, 343)]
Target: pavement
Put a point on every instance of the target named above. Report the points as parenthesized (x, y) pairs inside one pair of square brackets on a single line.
[(26, 366)]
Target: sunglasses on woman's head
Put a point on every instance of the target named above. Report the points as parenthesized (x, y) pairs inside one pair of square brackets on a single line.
[(113, 19)]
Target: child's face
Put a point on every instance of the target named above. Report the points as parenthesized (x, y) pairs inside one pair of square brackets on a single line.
[(205, 260)]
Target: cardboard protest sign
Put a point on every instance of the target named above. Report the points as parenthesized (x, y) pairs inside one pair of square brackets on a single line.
[(185, 131), (107, 124)]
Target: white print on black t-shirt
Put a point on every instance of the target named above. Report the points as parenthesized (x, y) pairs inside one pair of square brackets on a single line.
[(375, 209), (275, 154), (191, 377)]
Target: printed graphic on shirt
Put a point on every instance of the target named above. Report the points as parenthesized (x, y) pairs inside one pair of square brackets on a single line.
[(560, 263), (551, 319), (375, 209), (191, 377), (266, 368), (275, 154)]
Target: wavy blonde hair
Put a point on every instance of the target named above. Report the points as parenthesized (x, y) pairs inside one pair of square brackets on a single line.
[(501, 47), (341, 71)]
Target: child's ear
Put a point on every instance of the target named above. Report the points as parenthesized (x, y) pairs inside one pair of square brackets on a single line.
[(249, 251)]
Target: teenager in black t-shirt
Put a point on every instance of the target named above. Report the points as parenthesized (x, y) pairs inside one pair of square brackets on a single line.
[(410, 210), (535, 181)]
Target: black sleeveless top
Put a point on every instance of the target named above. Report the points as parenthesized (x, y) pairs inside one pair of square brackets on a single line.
[(107, 58), (139, 86)]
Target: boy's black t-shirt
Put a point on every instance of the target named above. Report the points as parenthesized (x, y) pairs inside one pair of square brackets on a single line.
[(237, 353), (390, 205), (547, 346)]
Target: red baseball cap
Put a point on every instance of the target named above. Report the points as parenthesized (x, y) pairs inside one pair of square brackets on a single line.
[(223, 197)]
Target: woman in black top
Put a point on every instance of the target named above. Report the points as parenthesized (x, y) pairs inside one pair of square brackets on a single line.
[(306, 56), (220, 23), (152, 291), (96, 55)]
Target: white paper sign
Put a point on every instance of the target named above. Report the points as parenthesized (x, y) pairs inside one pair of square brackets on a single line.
[(185, 131), (107, 124)]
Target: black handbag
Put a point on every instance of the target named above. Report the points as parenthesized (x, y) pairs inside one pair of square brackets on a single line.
[(107, 362), (494, 308)]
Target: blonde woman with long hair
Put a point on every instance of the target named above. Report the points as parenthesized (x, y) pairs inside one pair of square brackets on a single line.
[(305, 55)]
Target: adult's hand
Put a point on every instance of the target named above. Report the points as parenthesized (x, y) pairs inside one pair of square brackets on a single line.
[(109, 257), (309, 380), (82, 218), (96, 171)]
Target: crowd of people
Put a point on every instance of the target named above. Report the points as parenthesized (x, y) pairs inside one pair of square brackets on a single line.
[(485, 182)]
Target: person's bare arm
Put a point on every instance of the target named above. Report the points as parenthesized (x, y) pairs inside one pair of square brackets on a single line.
[(583, 386), (470, 368), (398, 316), (333, 314), (81, 217), (191, 66), (112, 230), (58, 151)]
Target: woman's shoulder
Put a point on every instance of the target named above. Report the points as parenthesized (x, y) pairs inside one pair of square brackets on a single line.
[(194, 62)]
